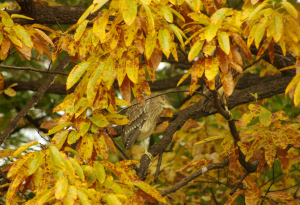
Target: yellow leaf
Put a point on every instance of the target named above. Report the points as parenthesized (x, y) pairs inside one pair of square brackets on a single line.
[(224, 43), (164, 38), (132, 65), (113, 200), (83, 197), (10, 92), (80, 30), (211, 68), (150, 18), (117, 119), (209, 139), (23, 148), (76, 73), (100, 146), (71, 195), (45, 37), (6, 20), (55, 156), (93, 82), (78, 168), (218, 16), (260, 30), (297, 95), (258, 8), (99, 120), (61, 188), (195, 49), (150, 45), (13, 188), (23, 34), (166, 13), (177, 32), (85, 14), (177, 14), (129, 33), (150, 190), (129, 11), (35, 161), (98, 4), (211, 31), (290, 8), (184, 76), (200, 17), (100, 24), (58, 127), (278, 24), (251, 35), (59, 138), (6, 153), (100, 172), (14, 39)]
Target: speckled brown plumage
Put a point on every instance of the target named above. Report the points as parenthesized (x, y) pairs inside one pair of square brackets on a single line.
[(143, 119)]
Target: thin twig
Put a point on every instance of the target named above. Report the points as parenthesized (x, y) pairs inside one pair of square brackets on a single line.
[(32, 69), (123, 152), (52, 16), (157, 172), (238, 184)]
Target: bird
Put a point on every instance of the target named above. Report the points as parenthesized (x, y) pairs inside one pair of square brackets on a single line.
[(143, 119)]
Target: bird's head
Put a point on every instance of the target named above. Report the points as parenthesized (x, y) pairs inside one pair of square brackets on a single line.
[(166, 102)]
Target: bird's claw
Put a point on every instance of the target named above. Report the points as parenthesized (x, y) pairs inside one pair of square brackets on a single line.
[(149, 155), (230, 114)]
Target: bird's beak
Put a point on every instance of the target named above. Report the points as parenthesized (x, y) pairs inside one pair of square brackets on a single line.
[(167, 105)]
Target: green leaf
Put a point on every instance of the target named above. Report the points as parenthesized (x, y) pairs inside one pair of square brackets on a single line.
[(100, 172), (76, 73), (129, 11), (224, 43), (99, 120), (78, 168), (23, 34), (55, 156), (164, 38)]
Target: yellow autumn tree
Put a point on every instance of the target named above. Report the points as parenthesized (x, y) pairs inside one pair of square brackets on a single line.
[(209, 56)]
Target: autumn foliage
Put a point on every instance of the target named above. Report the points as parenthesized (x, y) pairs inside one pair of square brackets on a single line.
[(114, 56)]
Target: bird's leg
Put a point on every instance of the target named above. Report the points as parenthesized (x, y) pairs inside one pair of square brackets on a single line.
[(230, 114), (146, 151)]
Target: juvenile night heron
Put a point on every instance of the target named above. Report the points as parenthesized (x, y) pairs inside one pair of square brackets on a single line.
[(143, 119)]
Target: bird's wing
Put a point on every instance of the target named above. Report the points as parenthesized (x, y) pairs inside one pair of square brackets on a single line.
[(131, 131)]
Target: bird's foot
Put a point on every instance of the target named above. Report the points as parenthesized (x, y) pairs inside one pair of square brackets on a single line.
[(230, 114), (149, 155)]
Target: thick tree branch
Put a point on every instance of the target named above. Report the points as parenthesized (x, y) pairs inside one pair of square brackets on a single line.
[(195, 111), (34, 100)]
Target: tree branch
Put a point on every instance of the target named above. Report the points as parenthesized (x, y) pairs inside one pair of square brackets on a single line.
[(34, 100)]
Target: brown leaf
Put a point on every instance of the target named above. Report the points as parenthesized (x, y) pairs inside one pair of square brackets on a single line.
[(223, 60), (125, 89)]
